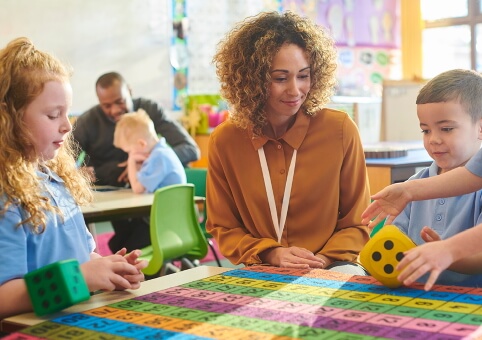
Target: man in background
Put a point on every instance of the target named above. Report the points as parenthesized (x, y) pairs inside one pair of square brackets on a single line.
[(94, 131)]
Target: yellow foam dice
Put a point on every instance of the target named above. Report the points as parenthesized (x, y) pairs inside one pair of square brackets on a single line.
[(383, 252)]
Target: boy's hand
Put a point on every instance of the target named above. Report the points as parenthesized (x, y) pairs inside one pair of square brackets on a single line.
[(430, 257), (388, 203), (429, 235), (137, 157), (124, 175)]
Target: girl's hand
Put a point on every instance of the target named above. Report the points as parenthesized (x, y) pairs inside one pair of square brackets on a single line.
[(109, 273), (133, 258)]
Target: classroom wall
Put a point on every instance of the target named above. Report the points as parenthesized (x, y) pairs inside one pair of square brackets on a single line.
[(98, 36)]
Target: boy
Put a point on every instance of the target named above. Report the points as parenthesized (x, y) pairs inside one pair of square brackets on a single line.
[(151, 164), (463, 250), (451, 123)]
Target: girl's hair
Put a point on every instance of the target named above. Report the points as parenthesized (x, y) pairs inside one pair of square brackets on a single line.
[(243, 62), (463, 86), (133, 125), (24, 70)]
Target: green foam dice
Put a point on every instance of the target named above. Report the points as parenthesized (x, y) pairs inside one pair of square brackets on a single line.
[(56, 286)]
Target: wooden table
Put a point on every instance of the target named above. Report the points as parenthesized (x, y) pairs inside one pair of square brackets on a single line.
[(117, 203), (14, 323), (111, 203)]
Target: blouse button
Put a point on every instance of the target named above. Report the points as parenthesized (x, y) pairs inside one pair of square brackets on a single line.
[(279, 146), (438, 217), (441, 201), (282, 171)]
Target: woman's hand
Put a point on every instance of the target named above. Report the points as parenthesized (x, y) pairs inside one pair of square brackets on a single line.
[(292, 257)]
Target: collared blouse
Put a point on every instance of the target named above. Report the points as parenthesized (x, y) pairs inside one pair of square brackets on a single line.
[(329, 193)]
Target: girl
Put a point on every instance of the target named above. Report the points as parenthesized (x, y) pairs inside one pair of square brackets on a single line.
[(40, 187)]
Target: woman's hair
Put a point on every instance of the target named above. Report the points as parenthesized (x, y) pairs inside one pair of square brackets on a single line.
[(462, 86), (243, 62), (133, 125), (24, 70)]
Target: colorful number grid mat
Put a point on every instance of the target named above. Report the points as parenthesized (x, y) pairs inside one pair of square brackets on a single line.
[(277, 303)]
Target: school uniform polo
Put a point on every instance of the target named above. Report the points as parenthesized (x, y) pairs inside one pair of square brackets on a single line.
[(329, 192), (64, 238), (448, 217), (161, 168), (474, 165)]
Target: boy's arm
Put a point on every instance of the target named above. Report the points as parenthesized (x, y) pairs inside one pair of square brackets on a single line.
[(390, 201), (14, 298), (134, 163), (434, 257), (469, 265)]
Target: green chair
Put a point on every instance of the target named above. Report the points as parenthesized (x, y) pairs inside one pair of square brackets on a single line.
[(175, 231), (197, 176)]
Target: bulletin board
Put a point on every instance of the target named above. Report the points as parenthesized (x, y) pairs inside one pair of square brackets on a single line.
[(366, 32), (209, 21)]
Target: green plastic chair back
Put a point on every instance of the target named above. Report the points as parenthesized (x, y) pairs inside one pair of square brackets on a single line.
[(197, 176), (174, 228)]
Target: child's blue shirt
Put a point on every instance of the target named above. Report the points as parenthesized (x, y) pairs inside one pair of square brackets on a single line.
[(161, 168), (448, 217), (474, 165), (64, 238)]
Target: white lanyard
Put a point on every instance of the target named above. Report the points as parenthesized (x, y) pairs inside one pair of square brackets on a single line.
[(278, 226)]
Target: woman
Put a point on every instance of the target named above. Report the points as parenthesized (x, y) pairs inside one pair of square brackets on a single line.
[(287, 180)]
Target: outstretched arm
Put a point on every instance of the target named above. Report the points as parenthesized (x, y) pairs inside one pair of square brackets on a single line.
[(435, 257), (391, 201), (468, 265)]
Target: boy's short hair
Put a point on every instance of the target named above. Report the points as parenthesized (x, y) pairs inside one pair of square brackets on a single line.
[(133, 125), (464, 86)]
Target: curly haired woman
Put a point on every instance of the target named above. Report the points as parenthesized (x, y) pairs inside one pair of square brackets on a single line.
[(287, 180)]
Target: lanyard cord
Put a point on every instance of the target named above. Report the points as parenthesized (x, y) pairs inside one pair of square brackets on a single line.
[(278, 226)]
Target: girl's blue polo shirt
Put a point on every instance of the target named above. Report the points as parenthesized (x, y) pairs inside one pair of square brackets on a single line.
[(64, 238)]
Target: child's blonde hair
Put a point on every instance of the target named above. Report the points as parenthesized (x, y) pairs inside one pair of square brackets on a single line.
[(132, 126), (24, 70)]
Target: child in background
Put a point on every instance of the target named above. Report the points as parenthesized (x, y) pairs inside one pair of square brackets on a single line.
[(40, 186), (152, 164), (448, 108)]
